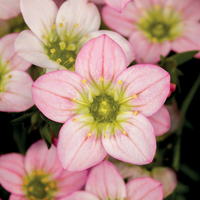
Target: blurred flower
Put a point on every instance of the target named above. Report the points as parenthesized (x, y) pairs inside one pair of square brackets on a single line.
[(117, 5), (56, 36), (156, 27), (172, 88), (9, 9), (38, 175), (15, 84), (104, 182), (104, 106)]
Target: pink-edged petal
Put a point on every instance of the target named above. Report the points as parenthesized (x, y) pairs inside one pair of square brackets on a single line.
[(69, 182), (100, 57), (16, 95), (145, 50), (16, 197), (30, 48), (161, 121), (80, 195), (149, 82), (121, 41), (53, 94), (137, 145), (76, 150), (144, 189), (190, 39), (123, 22), (39, 16), (9, 9), (78, 18), (12, 172), (167, 177), (39, 157), (59, 2), (117, 5), (105, 182)]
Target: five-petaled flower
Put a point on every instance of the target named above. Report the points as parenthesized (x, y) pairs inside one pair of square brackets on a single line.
[(38, 175), (104, 182), (103, 105), (56, 36), (156, 27)]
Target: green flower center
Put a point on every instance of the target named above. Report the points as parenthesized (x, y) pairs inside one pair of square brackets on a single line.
[(39, 186), (159, 24), (104, 108)]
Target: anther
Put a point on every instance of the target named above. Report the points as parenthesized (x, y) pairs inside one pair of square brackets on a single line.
[(104, 103), (135, 112), (9, 76), (71, 47), (32, 197), (46, 188), (52, 184), (53, 50), (30, 189), (40, 172), (61, 25), (2, 88), (59, 61), (119, 81), (105, 136), (101, 78), (25, 181), (154, 39), (71, 59), (76, 25), (75, 119), (86, 35), (33, 173), (44, 37), (124, 132), (62, 45), (141, 20), (83, 81), (44, 180), (135, 96), (54, 27), (156, 6), (74, 99), (89, 135)]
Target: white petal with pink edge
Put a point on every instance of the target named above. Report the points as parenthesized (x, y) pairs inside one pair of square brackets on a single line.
[(80, 195), (150, 85), (105, 182), (55, 94), (39, 157), (31, 49), (12, 172), (117, 5), (161, 121), (40, 16), (79, 147), (121, 41), (144, 189), (69, 182), (134, 142), (78, 18), (100, 61)]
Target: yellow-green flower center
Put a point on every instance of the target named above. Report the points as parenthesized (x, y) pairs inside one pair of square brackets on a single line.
[(159, 24), (3, 75)]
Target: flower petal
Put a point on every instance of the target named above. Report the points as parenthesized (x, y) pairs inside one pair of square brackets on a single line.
[(53, 94), (12, 172), (121, 41), (15, 197), (9, 8), (144, 189), (69, 182), (39, 157), (39, 15), (149, 82), (105, 182), (161, 121), (98, 1), (117, 5), (80, 195), (123, 22), (137, 145), (78, 151), (101, 57), (16, 95), (167, 177), (78, 18), (30, 48)]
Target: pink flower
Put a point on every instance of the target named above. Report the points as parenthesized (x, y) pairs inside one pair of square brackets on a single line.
[(156, 27), (105, 182), (104, 106), (117, 5), (38, 175), (9, 9), (56, 36), (15, 83)]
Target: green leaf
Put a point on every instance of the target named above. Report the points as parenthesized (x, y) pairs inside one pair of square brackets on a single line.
[(46, 135), (21, 119)]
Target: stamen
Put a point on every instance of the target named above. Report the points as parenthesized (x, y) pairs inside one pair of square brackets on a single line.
[(40, 172), (101, 78), (32, 197), (84, 82), (123, 131), (52, 184), (76, 25), (44, 180), (46, 188), (119, 83), (9, 76), (156, 6), (105, 136), (82, 103), (75, 119), (53, 50), (133, 97), (86, 35), (25, 181), (135, 112), (54, 27), (61, 25), (59, 61), (71, 47), (44, 37), (89, 135), (71, 59), (104, 103), (30, 188), (33, 173), (154, 39), (62, 45), (1, 88)]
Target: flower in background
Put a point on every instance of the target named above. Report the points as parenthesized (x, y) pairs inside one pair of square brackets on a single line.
[(56, 36), (9, 9), (38, 175), (156, 27), (104, 106), (105, 182), (117, 5), (15, 83)]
